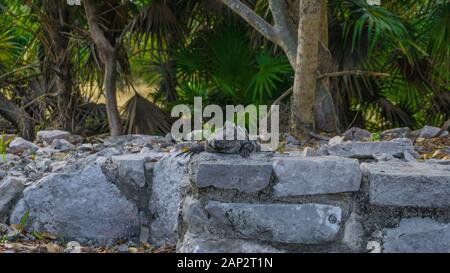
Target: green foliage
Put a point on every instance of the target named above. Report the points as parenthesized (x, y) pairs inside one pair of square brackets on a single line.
[(406, 39), (223, 68), (188, 48), (4, 143), (375, 137), (23, 221)]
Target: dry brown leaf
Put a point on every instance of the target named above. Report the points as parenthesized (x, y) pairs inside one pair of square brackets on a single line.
[(133, 250), (53, 248), (49, 236)]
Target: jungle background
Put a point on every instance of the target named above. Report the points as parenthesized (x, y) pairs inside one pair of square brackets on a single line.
[(119, 66)]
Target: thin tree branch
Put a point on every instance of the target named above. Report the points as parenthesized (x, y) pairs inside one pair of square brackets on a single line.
[(261, 25), (353, 72), (333, 74), (284, 28), (96, 32)]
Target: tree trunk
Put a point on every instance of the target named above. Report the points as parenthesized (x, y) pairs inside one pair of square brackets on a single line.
[(18, 117), (108, 55), (303, 98), (64, 86), (115, 123)]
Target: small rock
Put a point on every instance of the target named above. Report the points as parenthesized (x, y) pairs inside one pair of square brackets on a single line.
[(364, 150), (144, 234), (46, 151), (19, 145), (357, 134), (8, 137), (309, 152), (10, 190), (50, 135), (374, 247), (396, 133), (383, 157), (108, 152), (431, 132), (76, 139), (61, 145), (44, 165), (323, 150), (73, 247), (122, 249), (146, 150), (291, 140), (87, 147), (335, 140), (58, 166), (98, 147)]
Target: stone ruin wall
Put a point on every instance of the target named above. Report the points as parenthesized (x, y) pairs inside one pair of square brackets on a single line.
[(346, 197)]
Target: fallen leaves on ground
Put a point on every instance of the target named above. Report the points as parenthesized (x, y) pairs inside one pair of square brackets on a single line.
[(434, 148), (49, 243)]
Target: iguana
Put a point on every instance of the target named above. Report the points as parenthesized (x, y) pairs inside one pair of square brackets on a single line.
[(217, 143)]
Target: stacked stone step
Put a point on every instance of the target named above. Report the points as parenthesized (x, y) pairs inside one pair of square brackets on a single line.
[(420, 194), (264, 204)]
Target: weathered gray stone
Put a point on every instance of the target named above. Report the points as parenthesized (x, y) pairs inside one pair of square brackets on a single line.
[(192, 244), (11, 189), (364, 150), (81, 205), (396, 133), (50, 135), (438, 161), (76, 139), (408, 184), (335, 140), (18, 145), (289, 139), (384, 157), (131, 167), (109, 152), (297, 176), (418, 235), (431, 132), (357, 134), (277, 223), (354, 233), (132, 179), (409, 157), (61, 145), (245, 175), (87, 147), (170, 178), (46, 151), (140, 140), (309, 152), (44, 165)]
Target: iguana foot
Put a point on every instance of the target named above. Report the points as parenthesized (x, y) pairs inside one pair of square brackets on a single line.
[(247, 149), (193, 149)]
